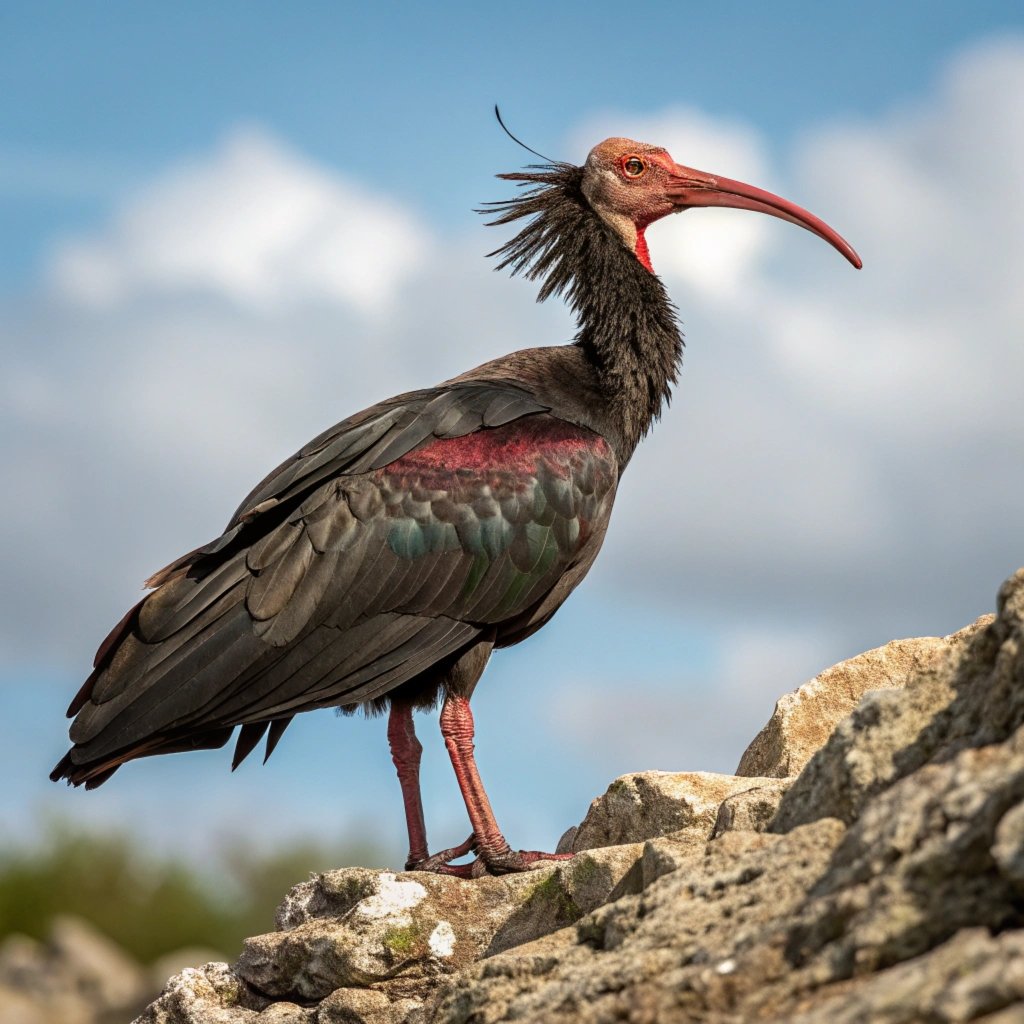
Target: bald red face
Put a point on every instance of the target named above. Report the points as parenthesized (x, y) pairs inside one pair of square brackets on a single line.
[(626, 184), (632, 184)]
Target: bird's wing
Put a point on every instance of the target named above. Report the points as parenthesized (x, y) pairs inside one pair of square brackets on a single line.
[(363, 564)]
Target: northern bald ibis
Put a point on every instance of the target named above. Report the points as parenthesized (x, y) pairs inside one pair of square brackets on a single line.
[(383, 563)]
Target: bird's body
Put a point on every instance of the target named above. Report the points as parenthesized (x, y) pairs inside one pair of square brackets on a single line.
[(383, 563)]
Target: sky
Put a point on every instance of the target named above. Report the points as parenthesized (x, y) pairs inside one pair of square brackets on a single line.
[(223, 228)]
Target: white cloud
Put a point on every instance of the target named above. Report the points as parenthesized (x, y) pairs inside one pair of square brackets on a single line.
[(256, 223)]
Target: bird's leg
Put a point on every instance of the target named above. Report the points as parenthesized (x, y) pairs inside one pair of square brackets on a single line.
[(406, 751), (495, 855)]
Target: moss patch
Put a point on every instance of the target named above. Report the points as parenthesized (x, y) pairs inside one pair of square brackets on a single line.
[(406, 942), (551, 895)]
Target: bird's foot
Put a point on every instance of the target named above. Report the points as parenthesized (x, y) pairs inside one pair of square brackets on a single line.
[(488, 862), (502, 862), (510, 861), (440, 863)]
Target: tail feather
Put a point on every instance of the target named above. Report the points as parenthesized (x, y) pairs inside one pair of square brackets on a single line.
[(95, 773)]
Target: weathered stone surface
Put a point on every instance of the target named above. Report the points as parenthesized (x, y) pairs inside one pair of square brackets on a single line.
[(358, 928), (972, 974), (366, 1006), (645, 957), (883, 884), (751, 810), (804, 719), (289, 1013), (176, 961), (645, 805), (894, 732), (212, 994)]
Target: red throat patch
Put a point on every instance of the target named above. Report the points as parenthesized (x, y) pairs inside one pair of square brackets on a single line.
[(642, 253)]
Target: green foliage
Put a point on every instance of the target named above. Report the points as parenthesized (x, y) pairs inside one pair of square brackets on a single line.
[(152, 904)]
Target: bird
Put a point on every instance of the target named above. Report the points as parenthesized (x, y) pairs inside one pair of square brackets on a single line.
[(381, 565)]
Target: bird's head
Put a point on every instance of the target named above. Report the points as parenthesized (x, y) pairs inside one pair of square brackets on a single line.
[(631, 184)]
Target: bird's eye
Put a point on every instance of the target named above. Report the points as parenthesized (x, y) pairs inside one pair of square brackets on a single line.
[(633, 166)]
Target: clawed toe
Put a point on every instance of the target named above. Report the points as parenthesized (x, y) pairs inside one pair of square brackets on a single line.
[(506, 862), (440, 863), (520, 860)]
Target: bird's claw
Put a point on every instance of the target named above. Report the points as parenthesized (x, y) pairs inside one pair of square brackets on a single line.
[(512, 861), (440, 863), (505, 862)]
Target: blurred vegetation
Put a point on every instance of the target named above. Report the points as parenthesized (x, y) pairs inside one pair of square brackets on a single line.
[(153, 903)]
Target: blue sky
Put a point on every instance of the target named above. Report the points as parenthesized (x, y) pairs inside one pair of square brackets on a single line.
[(96, 97), (224, 227)]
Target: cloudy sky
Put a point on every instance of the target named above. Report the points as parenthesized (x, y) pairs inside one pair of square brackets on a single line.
[(223, 229)]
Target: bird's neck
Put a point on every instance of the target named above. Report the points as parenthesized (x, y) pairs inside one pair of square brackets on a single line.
[(627, 326), (627, 330)]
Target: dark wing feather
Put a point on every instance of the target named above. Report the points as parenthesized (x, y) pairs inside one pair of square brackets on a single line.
[(373, 438), (383, 547)]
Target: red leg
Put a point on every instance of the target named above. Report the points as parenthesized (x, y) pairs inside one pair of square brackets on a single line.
[(495, 853), (406, 751)]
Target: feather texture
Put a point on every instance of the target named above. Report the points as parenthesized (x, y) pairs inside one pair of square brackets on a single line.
[(375, 553)]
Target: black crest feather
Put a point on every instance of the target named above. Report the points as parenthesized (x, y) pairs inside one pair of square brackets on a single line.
[(627, 325), (554, 204)]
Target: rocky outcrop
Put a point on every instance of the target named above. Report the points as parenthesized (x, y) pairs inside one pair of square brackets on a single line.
[(865, 864), (356, 928), (804, 719)]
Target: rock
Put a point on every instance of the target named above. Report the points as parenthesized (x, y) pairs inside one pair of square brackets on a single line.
[(18, 1007), (883, 883), (357, 928), (804, 719), (893, 732), (669, 953), (645, 805), (101, 970), (365, 1006), (212, 994), (176, 961), (972, 974), (1008, 849), (751, 810), (289, 1013)]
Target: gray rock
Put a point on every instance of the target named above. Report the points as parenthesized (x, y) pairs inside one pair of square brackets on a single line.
[(176, 961), (76, 975), (669, 953), (804, 719), (968, 696), (358, 928), (973, 974), (885, 883), (212, 994), (645, 805), (289, 1013), (751, 810), (366, 1006), (1008, 848)]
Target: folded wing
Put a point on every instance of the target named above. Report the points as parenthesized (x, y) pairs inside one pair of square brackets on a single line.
[(386, 545)]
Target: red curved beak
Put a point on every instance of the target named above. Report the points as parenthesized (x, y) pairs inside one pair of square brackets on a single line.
[(688, 187)]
